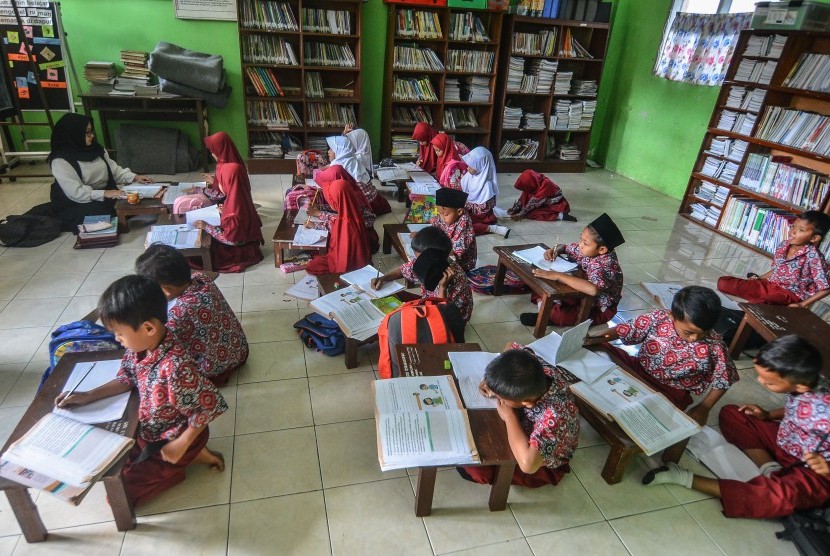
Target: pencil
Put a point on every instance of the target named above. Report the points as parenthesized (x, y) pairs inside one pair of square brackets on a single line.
[(314, 200), (72, 391)]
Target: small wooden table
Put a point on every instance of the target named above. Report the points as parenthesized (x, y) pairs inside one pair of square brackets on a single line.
[(284, 238), (125, 210), (202, 252), (489, 433), (327, 283), (774, 321), (21, 503), (391, 239), (548, 290)]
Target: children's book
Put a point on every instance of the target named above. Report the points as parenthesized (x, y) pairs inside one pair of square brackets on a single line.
[(362, 279), (180, 236), (648, 417), (421, 177), (392, 174), (725, 460), (423, 188), (536, 257), (307, 289), (469, 367), (420, 422), (566, 351), (387, 304), (207, 214), (309, 237), (664, 292), (352, 310), (87, 376)]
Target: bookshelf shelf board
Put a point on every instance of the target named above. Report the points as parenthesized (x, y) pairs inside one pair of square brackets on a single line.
[(575, 96), (569, 130), (694, 198), (246, 30), (543, 56), (572, 59), (317, 34), (418, 71), (275, 66), (453, 72), (749, 193), (468, 130), (459, 42), (724, 234), (424, 102), (721, 157), (818, 95), (771, 145), (333, 69), (468, 103), (740, 110), (284, 99), (760, 57), (418, 40), (518, 94), (339, 100)]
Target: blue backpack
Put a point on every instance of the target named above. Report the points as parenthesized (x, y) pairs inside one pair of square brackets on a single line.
[(322, 334), (81, 335)]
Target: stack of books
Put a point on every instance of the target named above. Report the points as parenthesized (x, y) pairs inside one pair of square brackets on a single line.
[(100, 76), (97, 231)]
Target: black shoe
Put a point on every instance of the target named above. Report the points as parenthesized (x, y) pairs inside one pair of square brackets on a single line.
[(568, 218), (464, 474), (649, 477), (528, 319)]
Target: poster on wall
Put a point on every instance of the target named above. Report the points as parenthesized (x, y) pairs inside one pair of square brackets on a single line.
[(49, 72), (223, 10)]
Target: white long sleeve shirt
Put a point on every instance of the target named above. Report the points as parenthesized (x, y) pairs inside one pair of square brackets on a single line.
[(95, 178)]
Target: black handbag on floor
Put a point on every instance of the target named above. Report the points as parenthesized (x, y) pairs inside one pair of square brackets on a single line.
[(28, 230), (809, 531)]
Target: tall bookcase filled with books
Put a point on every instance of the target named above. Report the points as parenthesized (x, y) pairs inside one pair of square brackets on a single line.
[(441, 68), (547, 95), (300, 75), (766, 154)]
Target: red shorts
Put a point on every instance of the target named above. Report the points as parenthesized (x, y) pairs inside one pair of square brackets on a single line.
[(759, 290), (486, 474)]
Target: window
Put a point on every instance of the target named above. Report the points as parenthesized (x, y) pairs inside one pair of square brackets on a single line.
[(714, 6)]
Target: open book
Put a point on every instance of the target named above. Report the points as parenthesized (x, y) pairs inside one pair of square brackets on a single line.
[(566, 351), (725, 460), (664, 292), (362, 279), (309, 237), (423, 188), (469, 367), (88, 376), (536, 257), (208, 214), (649, 418), (352, 309), (392, 174), (421, 177), (420, 422), (406, 240), (302, 216), (180, 236)]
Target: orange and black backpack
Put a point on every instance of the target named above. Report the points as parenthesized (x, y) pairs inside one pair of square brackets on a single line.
[(422, 321)]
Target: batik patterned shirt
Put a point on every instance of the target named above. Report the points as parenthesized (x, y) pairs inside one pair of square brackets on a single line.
[(806, 422), (603, 271), (458, 289), (463, 240), (804, 274)]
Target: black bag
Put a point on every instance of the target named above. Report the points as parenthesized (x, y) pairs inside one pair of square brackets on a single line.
[(28, 230), (809, 531)]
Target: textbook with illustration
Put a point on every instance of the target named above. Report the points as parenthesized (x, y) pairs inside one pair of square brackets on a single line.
[(566, 351), (664, 292), (420, 421), (536, 257), (180, 236), (725, 460), (649, 418), (469, 367), (352, 310), (362, 278)]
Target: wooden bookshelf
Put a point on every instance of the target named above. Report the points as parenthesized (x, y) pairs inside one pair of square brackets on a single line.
[(776, 94), (437, 112), (293, 77), (593, 37)]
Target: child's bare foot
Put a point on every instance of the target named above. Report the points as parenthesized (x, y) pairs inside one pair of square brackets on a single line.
[(213, 459)]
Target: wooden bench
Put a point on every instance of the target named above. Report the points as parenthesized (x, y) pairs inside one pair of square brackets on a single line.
[(284, 238)]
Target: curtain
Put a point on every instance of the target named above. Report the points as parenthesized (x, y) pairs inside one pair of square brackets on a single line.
[(697, 48)]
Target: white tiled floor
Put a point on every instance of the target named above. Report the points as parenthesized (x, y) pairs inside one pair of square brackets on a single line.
[(299, 438)]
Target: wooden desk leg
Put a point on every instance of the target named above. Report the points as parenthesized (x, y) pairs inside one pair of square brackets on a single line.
[(401, 191), (675, 452), (207, 261), (387, 242), (498, 281), (122, 511), (351, 353), (616, 463), (501, 487), (425, 490), (585, 304), (543, 318), (123, 227), (741, 336), (27, 515)]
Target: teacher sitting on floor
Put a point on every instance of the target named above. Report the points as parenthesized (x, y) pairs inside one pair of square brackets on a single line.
[(86, 177)]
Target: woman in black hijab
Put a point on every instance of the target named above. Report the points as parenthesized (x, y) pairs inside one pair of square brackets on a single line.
[(86, 177)]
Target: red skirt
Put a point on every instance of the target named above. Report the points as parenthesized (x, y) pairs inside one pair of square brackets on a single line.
[(759, 290), (550, 213), (482, 216), (486, 474)]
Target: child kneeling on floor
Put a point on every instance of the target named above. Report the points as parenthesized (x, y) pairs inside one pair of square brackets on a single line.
[(789, 445), (176, 402), (539, 413)]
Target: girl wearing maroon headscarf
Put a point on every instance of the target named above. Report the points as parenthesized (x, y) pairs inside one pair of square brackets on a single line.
[(445, 152), (541, 199), (224, 151), (237, 239), (348, 246), (424, 134)]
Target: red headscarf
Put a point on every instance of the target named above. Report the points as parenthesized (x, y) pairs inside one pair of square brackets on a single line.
[(223, 148), (448, 154), (240, 221), (535, 185), (348, 244), (425, 132), (336, 172)]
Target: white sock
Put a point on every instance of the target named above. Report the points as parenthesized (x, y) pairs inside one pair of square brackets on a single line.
[(674, 475), (496, 229), (770, 467)]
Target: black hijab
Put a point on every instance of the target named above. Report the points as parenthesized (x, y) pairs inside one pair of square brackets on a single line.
[(69, 140)]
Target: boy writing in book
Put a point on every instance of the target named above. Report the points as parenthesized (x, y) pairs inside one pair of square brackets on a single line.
[(438, 276), (603, 280), (176, 402), (789, 445), (197, 313), (454, 221), (679, 354), (540, 416), (799, 274)]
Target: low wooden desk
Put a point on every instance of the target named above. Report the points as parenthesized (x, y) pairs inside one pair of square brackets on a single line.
[(548, 290), (774, 321), (489, 433), (21, 503), (202, 252), (327, 283), (391, 239), (284, 238), (125, 210)]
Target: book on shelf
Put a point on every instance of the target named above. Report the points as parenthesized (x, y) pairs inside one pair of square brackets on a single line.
[(755, 71), (421, 422), (268, 16), (414, 88), (808, 131), (418, 24), (477, 61), (335, 22), (774, 176), (811, 72), (273, 114), (467, 27), (264, 81), (267, 49), (705, 213), (314, 85), (767, 46), (562, 82), (459, 118), (571, 47), (519, 149), (328, 54), (648, 417), (745, 99), (755, 222), (718, 169), (737, 122), (329, 114), (362, 280), (566, 151), (352, 309), (727, 147), (409, 116), (413, 57)]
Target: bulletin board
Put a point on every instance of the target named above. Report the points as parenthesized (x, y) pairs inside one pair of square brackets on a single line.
[(41, 28)]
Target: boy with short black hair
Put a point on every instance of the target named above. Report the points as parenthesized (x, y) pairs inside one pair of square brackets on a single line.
[(603, 280), (176, 402), (799, 274), (680, 353), (198, 313), (438, 276), (789, 445), (454, 221), (539, 413)]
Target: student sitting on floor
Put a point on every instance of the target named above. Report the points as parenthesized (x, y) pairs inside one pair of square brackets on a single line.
[(324, 212), (176, 402), (799, 275), (362, 146), (454, 221), (789, 445), (224, 151), (424, 134), (431, 268), (197, 313), (541, 199), (603, 280), (342, 153), (445, 153), (539, 413), (680, 353), (482, 186)]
